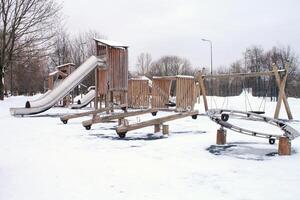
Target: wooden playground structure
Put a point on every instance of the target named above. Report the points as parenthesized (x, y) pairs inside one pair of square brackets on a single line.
[(138, 93), (60, 73), (114, 91), (280, 77)]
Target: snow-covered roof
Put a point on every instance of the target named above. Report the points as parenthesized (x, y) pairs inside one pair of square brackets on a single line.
[(184, 76), (64, 65), (111, 43), (143, 78), (53, 73)]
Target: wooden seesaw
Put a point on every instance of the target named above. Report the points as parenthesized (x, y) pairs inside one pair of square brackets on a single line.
[(157, 123), (120, 116), (65, 118)]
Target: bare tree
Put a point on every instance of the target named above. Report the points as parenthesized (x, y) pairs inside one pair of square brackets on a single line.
[(144, 62), (26, 25), (171, 66), (82, 47), (62, 50)]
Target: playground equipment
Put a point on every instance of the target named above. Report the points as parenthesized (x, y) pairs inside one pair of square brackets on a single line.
[(185, 92), (66, 118), (56, 77), (70, 82), (138, 97), (221, 117), (120, 116), (111, 83), (86, 99), (157, 123), (280, 76), (138, 93)]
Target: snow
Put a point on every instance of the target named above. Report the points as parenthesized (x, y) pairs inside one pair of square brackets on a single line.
[(143, 78), (41, 158), (111, 43)]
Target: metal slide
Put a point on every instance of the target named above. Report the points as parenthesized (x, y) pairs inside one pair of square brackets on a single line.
[(68, 84), (86, 99)]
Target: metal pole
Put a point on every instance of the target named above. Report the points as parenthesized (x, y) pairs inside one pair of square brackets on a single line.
[(211, 67), (211, 58)]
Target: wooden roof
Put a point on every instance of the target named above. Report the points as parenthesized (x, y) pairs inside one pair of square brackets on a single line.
[(65, 65), (111, 43), (59, 73)]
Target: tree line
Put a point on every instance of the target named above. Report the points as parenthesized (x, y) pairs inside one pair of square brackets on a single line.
[(33, 41), (253, 59)]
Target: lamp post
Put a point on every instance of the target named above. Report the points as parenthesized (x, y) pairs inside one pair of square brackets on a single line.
[(211, 55), (211, 68)]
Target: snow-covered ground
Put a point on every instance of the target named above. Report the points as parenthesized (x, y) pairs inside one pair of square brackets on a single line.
[(41, 159)]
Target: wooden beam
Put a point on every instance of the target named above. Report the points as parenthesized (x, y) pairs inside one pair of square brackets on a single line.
[(65, 118), (99, 119), (251, 74), (164, 78), (282, 96), (124, 129), (202, 89)]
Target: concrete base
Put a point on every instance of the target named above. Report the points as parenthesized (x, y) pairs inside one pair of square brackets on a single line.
[(221, 136), (284, 147)]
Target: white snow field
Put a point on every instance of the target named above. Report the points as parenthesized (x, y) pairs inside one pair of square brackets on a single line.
[(43, 159)]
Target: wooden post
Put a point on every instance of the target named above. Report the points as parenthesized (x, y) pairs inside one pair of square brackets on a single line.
[(111, 96), (165, 130), (96, 90), (156, 128), (202, 90), (282, 97), (123, 122), (221, 136), (120, 121), (284, 147)]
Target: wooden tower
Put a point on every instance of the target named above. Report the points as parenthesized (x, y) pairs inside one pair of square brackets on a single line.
[(112, 82)]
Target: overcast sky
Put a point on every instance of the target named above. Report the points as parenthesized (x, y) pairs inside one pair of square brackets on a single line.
[(175, 27)]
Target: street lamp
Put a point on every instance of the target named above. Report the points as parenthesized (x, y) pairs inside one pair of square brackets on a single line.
[(211, 69), (211, 54)]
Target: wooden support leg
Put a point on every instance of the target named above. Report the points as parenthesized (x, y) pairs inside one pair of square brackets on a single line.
[(156, 128), (221, 136), (112, 101), (165, 130), (284, 148), (120, 121)]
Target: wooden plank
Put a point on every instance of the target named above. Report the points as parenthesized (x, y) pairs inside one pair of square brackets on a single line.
[(77, 115), (252, 74), (124, 129), (99, 119), (92, 112)]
